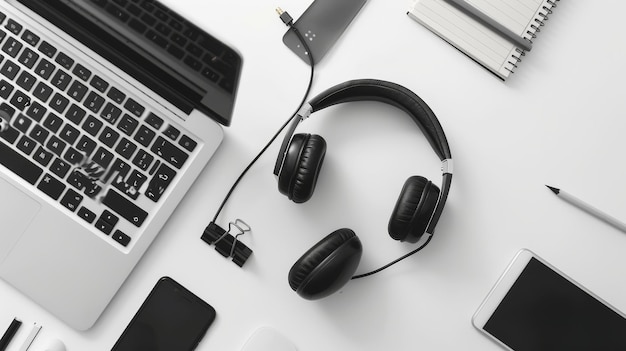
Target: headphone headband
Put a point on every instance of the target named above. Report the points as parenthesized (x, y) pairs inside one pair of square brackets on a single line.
[(392, 94)]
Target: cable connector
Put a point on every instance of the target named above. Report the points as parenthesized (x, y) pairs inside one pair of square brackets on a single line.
[(284, 16)]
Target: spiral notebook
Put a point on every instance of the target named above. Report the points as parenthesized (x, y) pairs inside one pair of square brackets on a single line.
[(478, 40)]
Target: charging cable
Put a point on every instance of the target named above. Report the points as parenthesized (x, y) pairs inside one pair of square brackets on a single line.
[(288, 21)]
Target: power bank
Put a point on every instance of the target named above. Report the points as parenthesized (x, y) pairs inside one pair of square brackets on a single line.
[(321, 24)]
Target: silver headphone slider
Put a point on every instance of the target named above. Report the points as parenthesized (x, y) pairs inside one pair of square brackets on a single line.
[(305, 111), (447, 166)]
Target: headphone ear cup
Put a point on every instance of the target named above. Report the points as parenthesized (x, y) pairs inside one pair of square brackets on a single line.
[(413, 210), (327, 266), (302, 165)]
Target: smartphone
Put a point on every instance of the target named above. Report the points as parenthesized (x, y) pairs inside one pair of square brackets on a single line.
[(534, 306), (171, 318)]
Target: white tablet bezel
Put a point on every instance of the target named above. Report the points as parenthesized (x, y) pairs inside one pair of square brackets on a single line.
[(502, 287), (504, 284)]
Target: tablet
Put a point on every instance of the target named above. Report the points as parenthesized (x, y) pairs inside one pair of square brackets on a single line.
[(534, 306)]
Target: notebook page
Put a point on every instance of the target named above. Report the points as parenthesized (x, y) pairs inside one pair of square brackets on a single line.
[(516, 15), (467, 35)]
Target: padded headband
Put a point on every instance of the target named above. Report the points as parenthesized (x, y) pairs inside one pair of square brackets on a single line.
[(392, 94)]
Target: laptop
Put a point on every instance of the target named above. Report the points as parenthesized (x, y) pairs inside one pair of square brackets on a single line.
[(109, 110)]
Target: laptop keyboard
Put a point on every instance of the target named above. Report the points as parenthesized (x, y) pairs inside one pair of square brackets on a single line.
[(183, 41), (61, 124)]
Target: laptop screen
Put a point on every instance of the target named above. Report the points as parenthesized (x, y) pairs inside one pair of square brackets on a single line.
[(182, 63)]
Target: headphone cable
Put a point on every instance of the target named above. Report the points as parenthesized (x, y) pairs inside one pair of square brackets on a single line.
[(288, 20), (411, 253)]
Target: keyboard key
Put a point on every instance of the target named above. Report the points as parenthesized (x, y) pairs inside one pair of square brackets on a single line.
[(61, 80), (103, 157), (134, 107), (143, 160), (172, 132), (39, 134), (125, 208), (47, 49), (93, 102), (75, 114), (74, 156), (71, 200), (187, 143), (51, 186), (86, 145), (53, 122), (22, 123), (144, 135), (42, 91), (127, 124), (26, 80), (69, 134), (28, 58), (13, 27), (56, 145), (104, 227), (12, 47), (86, 215), (159, 182), (99, 84), (109, 217), (36, 111), (5, 89), (169, 152), (77, 91), (126, 148), (19, 164), (111, 113), (64, 60), (59, 103), (116, 95), (82, 72), (121, 238), (31, 38), (26, 145), (92, 125), (42, 156), (109, 137), (10, 134), (44, 69), (60, 168), (20, 100), (10, 70), (154, 121)]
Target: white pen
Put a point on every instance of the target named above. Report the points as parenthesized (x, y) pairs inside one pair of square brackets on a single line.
[(589, 209), (31, 337)]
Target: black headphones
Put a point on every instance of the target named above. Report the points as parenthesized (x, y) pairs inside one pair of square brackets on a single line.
[(328, 265)]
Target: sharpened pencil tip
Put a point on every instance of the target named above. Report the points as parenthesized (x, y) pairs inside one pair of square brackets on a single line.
[(554, 190)]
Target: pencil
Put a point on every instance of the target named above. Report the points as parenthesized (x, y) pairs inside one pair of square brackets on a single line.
[(10, 333), (588, 208)]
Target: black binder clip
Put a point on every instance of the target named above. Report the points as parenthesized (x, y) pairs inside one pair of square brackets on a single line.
[(227, 244)]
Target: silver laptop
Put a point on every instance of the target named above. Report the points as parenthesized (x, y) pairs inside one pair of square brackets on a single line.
[(109, 110)]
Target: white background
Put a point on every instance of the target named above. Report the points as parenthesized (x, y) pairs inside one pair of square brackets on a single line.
[(559, 120)]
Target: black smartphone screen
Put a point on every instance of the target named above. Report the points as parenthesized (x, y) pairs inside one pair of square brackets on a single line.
[(171, 318), (545, 311)]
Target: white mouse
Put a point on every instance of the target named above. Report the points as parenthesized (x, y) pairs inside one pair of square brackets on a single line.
[(268, 339), (55, 345)]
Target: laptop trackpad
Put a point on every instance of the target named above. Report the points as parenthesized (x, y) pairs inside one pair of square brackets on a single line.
[(17, 211)]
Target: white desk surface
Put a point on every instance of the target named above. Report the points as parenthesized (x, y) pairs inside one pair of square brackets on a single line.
[(559, 120)]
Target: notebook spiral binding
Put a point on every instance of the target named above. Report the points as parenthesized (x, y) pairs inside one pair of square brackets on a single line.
[(532, 30)]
